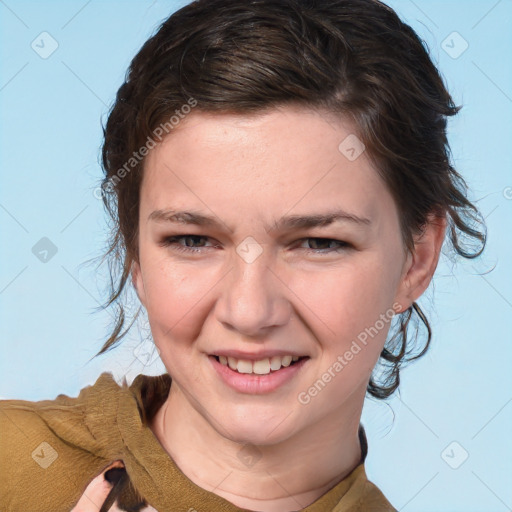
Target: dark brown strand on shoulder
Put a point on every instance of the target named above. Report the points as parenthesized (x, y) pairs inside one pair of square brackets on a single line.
[(153, 393), (128, 499)]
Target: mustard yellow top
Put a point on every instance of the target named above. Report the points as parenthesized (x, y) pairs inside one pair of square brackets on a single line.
[(50, 451)]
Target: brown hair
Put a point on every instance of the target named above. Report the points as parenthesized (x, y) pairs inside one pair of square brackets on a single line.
[(352, 58)]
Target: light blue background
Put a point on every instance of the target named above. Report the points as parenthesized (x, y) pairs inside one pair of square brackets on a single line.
[(50, 137)]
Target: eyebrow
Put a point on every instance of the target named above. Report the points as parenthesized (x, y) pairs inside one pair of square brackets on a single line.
[(287, 222)]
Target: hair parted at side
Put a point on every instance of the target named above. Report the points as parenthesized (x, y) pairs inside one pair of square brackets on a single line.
[(352, 58)]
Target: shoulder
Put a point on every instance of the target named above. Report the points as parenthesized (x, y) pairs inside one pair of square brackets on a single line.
[(358, 494), (64, 416), (50, 449), (374, 499)]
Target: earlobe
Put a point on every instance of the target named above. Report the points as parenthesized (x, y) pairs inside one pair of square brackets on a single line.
[(138, 283), (422, 263)]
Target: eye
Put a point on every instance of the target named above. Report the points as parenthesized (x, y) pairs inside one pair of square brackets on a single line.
[(190, 240), (324, 245), (195, 244)]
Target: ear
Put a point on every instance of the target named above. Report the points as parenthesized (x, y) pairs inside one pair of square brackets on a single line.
[(421, 264), (138, 283)]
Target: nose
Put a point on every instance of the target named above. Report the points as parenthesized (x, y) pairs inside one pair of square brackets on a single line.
[(253, 298)]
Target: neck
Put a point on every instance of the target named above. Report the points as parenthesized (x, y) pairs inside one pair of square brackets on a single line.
[(282, 477)]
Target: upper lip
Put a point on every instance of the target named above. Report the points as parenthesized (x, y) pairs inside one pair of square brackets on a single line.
[(256, 356)]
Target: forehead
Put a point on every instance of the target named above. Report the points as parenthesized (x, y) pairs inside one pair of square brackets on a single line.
[(287, 158)]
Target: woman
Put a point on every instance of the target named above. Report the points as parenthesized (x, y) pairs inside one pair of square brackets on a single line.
[(279, 180)]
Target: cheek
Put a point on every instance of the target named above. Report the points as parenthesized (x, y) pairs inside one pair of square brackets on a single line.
[(173, 301), (346, 309), (345, 306), (347, 299), (176, 314)]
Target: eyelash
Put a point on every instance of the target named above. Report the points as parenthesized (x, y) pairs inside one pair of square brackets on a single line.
[(172, 241)]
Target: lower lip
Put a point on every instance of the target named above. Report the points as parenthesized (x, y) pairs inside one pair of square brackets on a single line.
[(251, 383)]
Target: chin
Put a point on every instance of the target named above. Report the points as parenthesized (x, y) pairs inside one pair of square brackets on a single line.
[(255, 428), (254, 436)]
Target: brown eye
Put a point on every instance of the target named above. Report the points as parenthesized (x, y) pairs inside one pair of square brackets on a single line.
[(189, 245), (324, 245)]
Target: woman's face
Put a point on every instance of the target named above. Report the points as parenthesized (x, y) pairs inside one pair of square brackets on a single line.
[(254, 274)]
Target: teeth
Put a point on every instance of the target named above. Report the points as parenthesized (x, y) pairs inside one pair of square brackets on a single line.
[(244, 366), (275, 363), (287, 361), (261, 367)]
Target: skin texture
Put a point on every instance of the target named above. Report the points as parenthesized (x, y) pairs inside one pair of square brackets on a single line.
[(247, 172)]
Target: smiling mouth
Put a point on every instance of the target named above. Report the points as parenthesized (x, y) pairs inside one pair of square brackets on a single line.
[(261, 367)]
